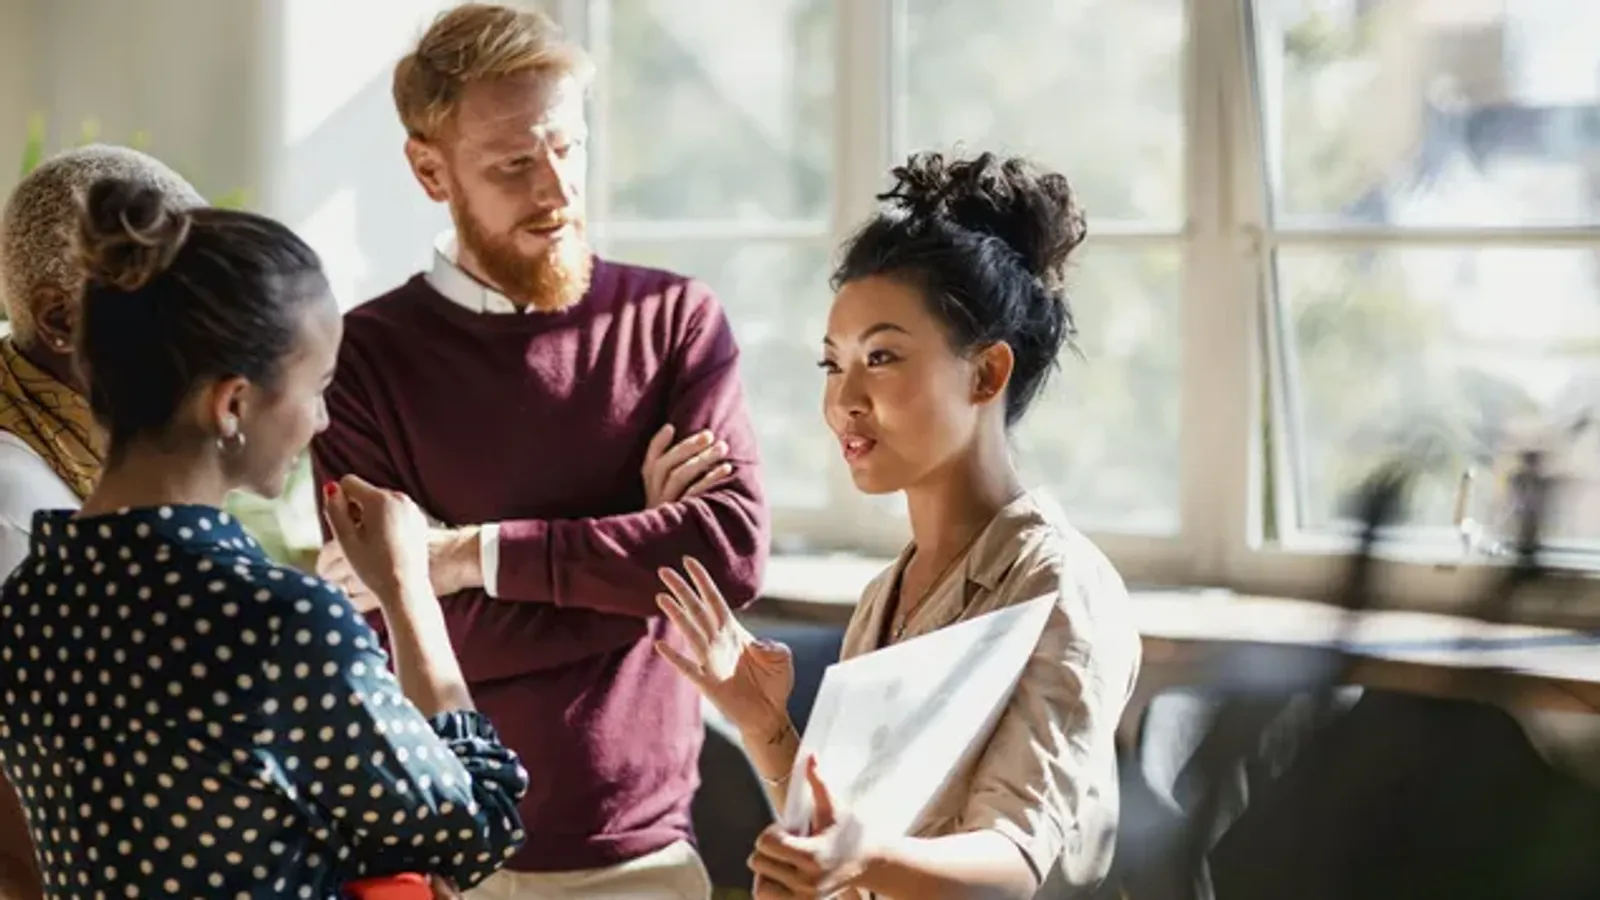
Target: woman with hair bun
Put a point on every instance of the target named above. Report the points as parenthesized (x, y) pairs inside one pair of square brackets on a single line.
[(180, 715), (949, 315)]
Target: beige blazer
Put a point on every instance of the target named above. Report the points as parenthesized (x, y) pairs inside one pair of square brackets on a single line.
[(1047, 776)]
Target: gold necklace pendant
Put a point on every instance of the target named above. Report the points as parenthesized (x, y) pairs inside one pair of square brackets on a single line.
[(933, 586)]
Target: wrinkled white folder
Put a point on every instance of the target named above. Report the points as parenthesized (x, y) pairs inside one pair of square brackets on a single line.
[(890, 728)]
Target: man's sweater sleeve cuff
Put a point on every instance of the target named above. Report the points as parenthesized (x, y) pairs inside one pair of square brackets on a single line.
[(516, 560), (489, 557)]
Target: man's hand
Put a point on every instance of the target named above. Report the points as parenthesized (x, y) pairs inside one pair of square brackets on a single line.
[(674, 472), (454, 565), (334, 567)]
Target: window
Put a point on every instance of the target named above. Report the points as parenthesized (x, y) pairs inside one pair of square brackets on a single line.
[(1321, 232), (1433, 183), (713, 156), (717, 131), (1037, 77)]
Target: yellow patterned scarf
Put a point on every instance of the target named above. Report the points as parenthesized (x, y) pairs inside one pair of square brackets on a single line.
[(51, 418)]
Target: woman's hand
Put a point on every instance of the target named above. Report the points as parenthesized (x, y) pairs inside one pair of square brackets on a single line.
[(382, 535), (444, 888), (747, 680), (817, 865), (454, 556)]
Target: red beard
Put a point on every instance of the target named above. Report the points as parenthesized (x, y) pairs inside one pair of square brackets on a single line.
[(551, 282)]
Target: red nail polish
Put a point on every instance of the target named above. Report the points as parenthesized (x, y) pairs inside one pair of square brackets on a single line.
[(329, 489)]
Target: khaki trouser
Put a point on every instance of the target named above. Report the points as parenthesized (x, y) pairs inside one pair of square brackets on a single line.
[(671, 873)]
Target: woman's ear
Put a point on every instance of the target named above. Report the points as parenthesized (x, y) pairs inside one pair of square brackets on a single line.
[(226, 404), (991, 372), (54, 319)]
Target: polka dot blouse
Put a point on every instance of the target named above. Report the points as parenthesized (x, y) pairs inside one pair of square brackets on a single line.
[(182, 717)]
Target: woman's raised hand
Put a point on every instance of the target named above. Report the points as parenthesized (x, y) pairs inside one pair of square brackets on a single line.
[(746, 679), (382, 535)]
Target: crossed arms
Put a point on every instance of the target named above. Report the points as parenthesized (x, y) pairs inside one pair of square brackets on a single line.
[(702, 498)]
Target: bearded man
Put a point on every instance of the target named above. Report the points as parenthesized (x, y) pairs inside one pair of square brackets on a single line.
[(574, 424)]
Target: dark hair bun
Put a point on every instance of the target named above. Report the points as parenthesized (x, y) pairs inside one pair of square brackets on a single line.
[(1033, 211), (179, 296), (129, 233), (987, 240)]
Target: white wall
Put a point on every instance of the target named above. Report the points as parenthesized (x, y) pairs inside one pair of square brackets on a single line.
[(172, 69), (16, 84), (288, 99), (337, 171)]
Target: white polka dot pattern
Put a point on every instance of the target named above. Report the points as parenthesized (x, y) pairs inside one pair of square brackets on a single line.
[(183, 718)]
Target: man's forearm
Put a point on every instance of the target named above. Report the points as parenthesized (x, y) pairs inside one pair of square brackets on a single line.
[(610, 564), (456, 559)]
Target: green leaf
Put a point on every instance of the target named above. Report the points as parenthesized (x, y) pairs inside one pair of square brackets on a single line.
[(238, 198), (34, 152), (33, 146)]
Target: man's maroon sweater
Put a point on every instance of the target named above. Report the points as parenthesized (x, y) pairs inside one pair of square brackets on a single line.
[(539, 422)]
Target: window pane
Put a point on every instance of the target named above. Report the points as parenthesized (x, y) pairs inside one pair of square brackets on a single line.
[(776, 295), (717, 109), (1104, 436), (1433, 112), (1460, 355), (1090, 87)]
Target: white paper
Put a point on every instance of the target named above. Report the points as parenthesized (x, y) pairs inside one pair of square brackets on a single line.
[(891, 727)]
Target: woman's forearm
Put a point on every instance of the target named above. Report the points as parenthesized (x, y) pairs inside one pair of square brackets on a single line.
[(424, 662), (772, 748), (978, 864)]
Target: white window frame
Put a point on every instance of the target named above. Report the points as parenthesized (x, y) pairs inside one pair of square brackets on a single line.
[(1416, 574), (1227, 316)]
